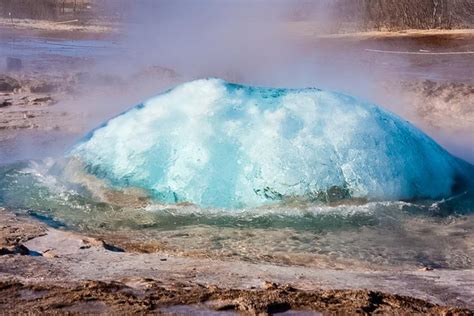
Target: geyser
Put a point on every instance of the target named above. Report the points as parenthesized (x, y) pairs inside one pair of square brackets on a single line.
[(219, 144)]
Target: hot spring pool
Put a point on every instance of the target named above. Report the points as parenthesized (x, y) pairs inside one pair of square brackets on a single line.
[(300, 177)]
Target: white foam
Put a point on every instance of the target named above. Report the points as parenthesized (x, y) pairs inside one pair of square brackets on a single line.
[(217, 144)]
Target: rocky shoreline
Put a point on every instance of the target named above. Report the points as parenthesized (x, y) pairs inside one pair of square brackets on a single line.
[(55, 271), (148, 296)]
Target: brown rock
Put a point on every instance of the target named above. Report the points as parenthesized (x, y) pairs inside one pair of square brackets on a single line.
[(267, 285), (50, 254), (89, 241), (222, 305)]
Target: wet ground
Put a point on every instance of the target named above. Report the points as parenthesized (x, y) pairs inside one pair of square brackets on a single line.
[(181, 299), (50, 270)]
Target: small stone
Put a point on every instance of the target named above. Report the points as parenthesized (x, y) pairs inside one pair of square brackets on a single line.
[(222, 305), (22, 250), (289, 288), (49, 254), (42, 100), (267, 285), (88, 242), (426, 269), (5, 103)]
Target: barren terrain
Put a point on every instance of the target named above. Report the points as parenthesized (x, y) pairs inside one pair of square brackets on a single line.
[(50, 270)]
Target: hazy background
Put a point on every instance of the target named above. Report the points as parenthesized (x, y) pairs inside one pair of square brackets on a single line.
[(346, 14), (280, 43), (284, 43)]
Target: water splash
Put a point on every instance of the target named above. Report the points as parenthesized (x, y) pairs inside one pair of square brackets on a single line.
[(342, 233), (224, 145)]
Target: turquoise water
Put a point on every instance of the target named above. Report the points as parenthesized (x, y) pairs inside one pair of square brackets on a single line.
[(222, 145), (298, 177), (357, 233)]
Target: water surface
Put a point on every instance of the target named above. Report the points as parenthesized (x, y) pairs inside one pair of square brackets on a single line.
[(355, 234)]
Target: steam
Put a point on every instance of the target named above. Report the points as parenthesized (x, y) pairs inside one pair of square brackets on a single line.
[(251, 42), (240, 40), (265, 43), (243, 40), (279, 43)]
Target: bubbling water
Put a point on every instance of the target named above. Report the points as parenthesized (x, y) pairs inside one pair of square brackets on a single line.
[(222, 145), (350, 233), (302, 177)]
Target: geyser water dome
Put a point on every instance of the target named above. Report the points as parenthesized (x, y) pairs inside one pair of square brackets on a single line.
[(218, 144)]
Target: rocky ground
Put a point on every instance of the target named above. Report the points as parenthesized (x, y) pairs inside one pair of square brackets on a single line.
[(25, 101), (55, 271), (442, 104), (43, 112)]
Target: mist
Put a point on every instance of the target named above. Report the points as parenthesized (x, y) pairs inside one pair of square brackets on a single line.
[(250, 42), (245, 41), (281, 43)]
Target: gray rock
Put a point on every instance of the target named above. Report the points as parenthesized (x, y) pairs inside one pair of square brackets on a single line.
[(16, 249), (8, 84), (5, 103), (43, 87)]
